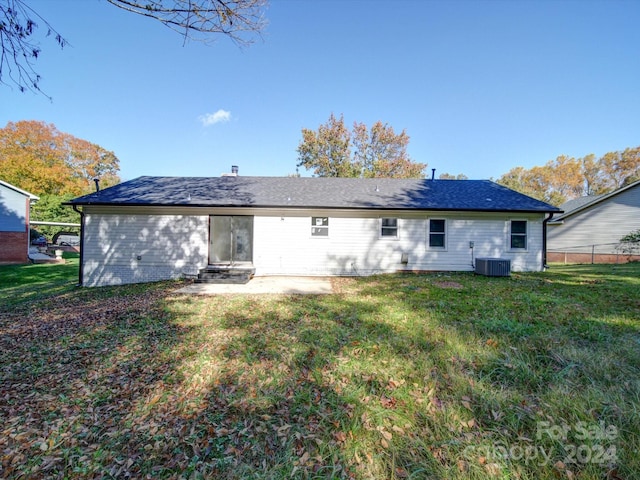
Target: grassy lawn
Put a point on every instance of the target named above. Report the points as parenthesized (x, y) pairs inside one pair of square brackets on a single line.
[(26, 283), (442, 376)]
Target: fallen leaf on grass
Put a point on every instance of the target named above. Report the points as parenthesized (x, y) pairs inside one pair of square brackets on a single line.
[(340, 437), (401, 473), (493, 469), (435, 404), (392, 384), (304, 458), (388, 402), (463, 466), (397, 429)]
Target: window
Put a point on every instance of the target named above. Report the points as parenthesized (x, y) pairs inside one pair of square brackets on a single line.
[(319, 226), (518, 234), (389, 227), (437, 233)]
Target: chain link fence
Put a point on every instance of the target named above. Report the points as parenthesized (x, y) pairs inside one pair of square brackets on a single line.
[(595, 253)]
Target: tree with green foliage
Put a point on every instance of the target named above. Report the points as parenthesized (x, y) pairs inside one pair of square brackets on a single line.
[(49, 208), (630, 243), (334, 151)]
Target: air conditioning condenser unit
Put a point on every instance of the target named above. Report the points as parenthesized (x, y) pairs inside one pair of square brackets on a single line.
[(493, 267)]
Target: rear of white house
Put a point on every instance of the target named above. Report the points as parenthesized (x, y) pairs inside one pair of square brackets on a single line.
[(157, 228)]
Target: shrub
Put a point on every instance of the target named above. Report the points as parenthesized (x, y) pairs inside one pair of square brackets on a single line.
[(630, 243)]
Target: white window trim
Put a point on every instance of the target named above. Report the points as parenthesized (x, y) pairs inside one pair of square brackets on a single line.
[(526, 235), (387, 237), (445, 233)]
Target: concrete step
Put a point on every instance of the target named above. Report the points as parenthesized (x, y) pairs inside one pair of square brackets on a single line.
[(223, 278), (226, 274)]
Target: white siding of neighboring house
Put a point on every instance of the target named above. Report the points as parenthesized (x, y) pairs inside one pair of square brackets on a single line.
[(170, 246), (602, 225)]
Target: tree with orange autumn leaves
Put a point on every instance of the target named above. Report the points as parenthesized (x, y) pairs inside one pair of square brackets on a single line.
[(334, 151), (56, 166), (566, 178), (37, 157)]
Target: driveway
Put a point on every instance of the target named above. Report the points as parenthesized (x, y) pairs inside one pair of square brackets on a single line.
[(262, 285)]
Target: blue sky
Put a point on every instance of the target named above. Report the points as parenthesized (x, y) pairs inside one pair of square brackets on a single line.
[(480, 87)]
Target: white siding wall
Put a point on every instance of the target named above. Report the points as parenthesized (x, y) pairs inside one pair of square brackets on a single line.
[(120, 249), (149, 246), (283, 245), (602, 225)]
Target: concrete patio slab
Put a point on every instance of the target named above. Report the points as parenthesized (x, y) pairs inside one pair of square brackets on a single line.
[(37, 257), (265, 285)]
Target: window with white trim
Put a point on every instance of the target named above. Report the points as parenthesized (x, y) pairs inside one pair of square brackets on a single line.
[(437, 233), (389, 227), (518, 234), (319, 226)]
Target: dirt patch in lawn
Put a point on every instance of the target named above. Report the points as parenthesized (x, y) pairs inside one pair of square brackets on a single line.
[(449, 284)]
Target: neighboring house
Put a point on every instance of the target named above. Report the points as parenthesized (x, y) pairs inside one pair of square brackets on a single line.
[(154, 228), (14, 223), (590, 229)]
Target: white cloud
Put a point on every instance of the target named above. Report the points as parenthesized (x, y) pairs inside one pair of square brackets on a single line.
[(212, 118)]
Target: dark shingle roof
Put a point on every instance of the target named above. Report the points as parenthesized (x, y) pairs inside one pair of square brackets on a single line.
[(576, 203), (305, 192)]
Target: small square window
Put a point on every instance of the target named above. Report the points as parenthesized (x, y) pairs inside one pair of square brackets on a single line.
[(518, 234), (389, 227), (319, 226), (437, 233)]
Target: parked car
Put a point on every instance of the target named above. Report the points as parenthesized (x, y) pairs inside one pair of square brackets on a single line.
[(41, 241), (66, 238)]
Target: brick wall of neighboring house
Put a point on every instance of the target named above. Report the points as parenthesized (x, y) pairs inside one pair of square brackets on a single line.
[(574, 257), (14, 247)]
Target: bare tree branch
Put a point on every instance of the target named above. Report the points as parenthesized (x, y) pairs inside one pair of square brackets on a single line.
[(200, 20), (239, 20), (19, 50)]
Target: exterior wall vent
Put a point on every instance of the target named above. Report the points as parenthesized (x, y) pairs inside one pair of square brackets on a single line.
[(493, 267)]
